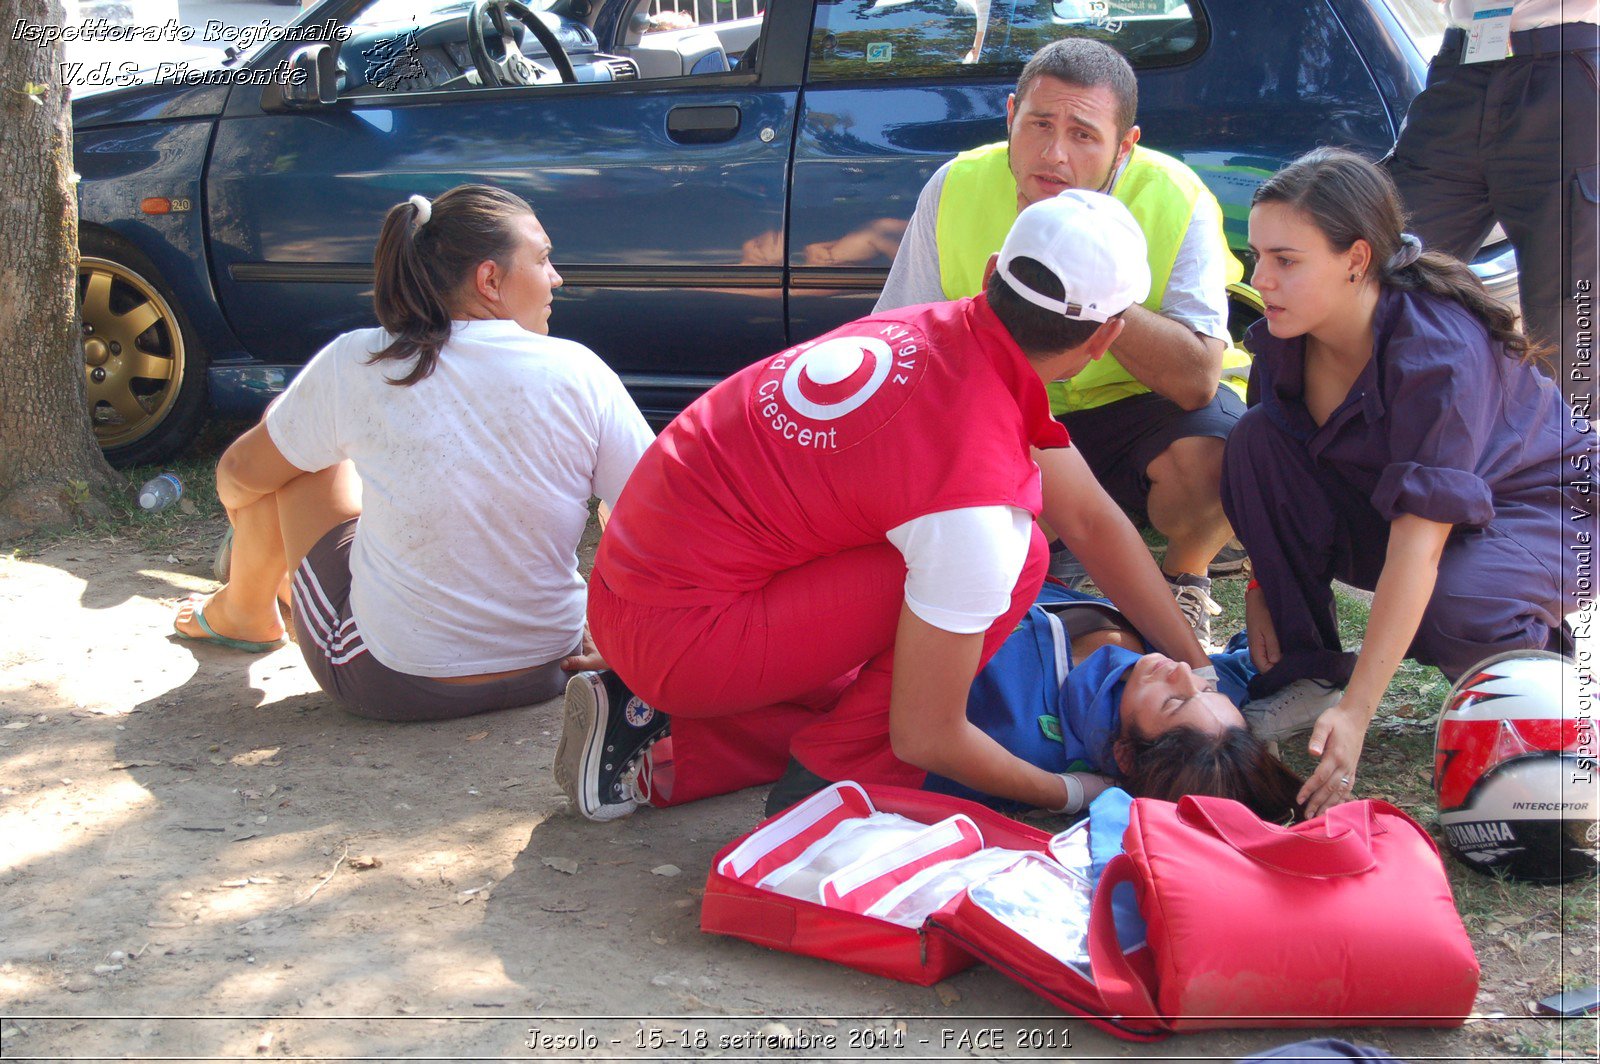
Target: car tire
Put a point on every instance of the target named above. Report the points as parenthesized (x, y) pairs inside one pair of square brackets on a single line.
[(146, 389)]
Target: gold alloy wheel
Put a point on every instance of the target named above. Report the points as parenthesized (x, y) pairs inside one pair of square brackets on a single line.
[(132, 352)]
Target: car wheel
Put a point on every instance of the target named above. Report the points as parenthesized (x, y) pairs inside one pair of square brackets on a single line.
[(145, 376)]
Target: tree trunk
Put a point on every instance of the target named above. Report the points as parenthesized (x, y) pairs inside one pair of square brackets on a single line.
[(51, 469)]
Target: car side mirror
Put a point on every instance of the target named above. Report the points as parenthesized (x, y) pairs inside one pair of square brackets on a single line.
[(311, 80)]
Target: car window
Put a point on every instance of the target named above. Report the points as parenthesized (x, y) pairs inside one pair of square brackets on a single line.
[(417, 46), (675, 38), (1424, 21), (854, 39)]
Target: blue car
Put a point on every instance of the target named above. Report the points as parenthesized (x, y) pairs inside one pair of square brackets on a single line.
[(720, 177)]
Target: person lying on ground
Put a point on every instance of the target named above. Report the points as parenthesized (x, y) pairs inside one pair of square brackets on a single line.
[(1119, 716), (426, 484)]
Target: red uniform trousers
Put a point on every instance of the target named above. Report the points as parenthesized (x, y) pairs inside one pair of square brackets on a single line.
[(799, 667)]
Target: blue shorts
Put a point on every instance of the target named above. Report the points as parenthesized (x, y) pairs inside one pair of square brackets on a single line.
[(1121, 439)]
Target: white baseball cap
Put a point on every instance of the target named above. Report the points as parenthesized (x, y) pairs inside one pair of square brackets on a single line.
[(1091, 244)]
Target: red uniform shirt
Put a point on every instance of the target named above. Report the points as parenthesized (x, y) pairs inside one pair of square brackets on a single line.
[(826, 447)]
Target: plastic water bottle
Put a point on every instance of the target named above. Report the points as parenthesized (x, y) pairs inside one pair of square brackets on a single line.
[(160, 493)]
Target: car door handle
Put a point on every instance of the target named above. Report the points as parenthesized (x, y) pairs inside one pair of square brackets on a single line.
[(702, 125)]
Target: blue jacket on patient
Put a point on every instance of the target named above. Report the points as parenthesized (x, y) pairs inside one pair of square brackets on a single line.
[(1054, 713)]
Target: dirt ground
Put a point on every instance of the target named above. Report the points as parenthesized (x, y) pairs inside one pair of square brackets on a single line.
[(202, 858)]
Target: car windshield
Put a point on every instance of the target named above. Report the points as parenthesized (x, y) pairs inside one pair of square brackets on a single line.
[(387, 11), (1424, 22)]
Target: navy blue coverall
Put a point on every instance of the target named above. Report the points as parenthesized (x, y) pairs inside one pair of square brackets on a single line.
[(1440, 424)]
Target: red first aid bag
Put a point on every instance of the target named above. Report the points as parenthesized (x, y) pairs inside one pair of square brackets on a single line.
[(1347, 918)]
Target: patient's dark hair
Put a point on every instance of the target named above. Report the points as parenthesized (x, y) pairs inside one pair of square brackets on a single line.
[(1039, 332), (1230, 764), (420, 268)]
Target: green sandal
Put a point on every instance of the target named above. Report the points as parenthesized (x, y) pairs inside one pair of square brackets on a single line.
[(231, 643)]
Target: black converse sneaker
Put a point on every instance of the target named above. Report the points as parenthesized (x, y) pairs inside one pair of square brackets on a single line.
[(606, 733)]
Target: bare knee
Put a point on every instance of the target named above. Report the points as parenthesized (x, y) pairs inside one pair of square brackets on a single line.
[(1189, 472), (313, 504)]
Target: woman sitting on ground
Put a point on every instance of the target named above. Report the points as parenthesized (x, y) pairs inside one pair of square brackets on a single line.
[(1404, 442), (427, 483)]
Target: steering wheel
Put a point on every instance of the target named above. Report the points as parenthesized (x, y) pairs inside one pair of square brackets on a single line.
[(515, 68)]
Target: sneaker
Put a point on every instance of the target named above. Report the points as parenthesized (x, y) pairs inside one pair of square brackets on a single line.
[(1065, 567), (1194, 599), (605, 736), (1291, 709), (1231, 560)]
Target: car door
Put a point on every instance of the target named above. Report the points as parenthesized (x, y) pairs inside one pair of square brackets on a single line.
[(662, 198)]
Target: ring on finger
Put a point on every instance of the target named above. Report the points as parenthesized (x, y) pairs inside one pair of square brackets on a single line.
[(1344, 781)]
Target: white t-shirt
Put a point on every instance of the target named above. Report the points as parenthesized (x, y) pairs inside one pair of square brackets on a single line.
[(1197, 289), (962, 565), (475, 484)]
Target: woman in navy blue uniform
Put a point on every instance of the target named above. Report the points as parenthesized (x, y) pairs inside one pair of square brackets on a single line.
[(1404, 442)]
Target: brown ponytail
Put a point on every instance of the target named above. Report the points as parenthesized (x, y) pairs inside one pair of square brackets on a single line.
[(425, 254), (1350, 199)]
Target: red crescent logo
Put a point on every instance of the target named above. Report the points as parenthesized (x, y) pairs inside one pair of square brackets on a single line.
[(838, 392)]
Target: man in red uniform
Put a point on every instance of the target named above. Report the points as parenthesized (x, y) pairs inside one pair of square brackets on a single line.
[(808, 567)]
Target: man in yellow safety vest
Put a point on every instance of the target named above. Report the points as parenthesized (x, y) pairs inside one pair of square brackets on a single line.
[(1150, 418)]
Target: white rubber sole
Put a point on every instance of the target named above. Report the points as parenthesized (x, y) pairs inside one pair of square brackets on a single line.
[(580, 753)]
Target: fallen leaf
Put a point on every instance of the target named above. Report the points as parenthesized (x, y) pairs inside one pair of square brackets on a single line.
[(16, 725), (251, 758), (947, 994), (364, 862), (1541, 936), (115, 765), (508, 784), (668, 870), (827, 1023), (235, 883), (562, 864), (475, 736)]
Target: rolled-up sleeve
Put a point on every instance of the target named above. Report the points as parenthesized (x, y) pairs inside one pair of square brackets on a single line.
[(1442, 423)]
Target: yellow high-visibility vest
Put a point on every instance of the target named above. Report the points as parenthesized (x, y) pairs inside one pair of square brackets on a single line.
[(978, 205)]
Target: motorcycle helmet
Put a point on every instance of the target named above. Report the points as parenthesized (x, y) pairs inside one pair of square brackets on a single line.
[(1514, 769)]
